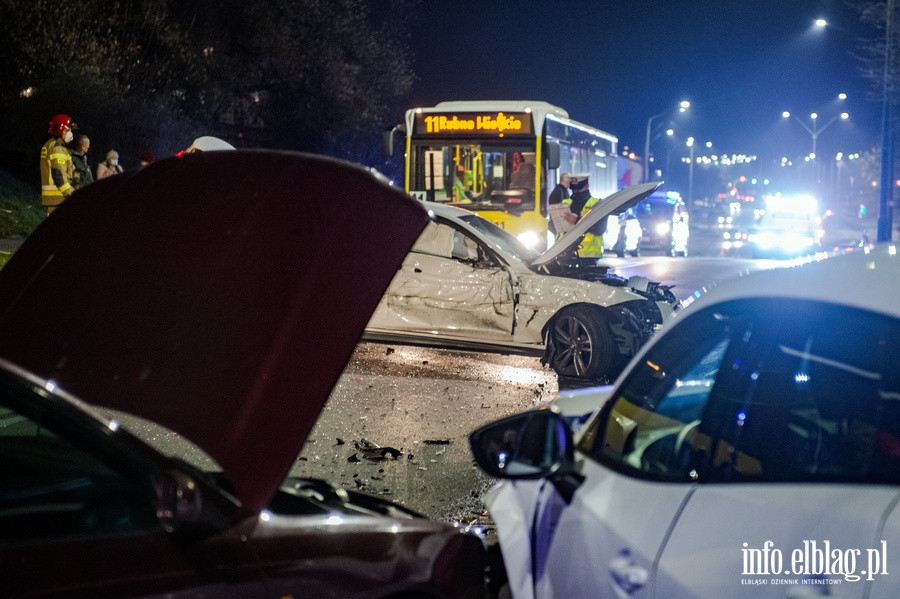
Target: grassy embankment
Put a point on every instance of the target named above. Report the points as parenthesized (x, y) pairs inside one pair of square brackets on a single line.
[(20, 210)]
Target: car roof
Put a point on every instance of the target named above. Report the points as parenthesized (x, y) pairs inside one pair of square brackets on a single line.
[(866, 279), (445, 210), (213, 293)]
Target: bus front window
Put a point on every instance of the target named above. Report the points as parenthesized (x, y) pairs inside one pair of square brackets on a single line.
[(498, 178)]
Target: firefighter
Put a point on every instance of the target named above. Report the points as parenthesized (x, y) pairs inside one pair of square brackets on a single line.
[(57, 171), (580, 204)]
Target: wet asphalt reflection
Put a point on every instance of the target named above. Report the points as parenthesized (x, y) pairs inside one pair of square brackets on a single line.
[(397, 424)]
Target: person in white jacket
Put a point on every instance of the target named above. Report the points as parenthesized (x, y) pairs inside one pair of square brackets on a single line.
[(110, 166)]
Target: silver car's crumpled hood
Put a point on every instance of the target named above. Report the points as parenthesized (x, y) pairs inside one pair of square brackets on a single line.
[(615, 203), (218, 294)]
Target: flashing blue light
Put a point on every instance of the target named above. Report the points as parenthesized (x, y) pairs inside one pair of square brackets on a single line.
[(742, 416)]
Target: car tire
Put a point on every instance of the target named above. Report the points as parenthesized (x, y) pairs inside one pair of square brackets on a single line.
[(582, 344)]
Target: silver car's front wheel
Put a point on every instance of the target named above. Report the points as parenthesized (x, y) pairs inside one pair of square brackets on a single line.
[(582, 345)]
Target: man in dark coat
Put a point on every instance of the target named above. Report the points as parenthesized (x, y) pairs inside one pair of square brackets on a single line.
[(561, 191), (83, 174)]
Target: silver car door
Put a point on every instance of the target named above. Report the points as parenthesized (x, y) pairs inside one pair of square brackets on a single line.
[(449, 284)]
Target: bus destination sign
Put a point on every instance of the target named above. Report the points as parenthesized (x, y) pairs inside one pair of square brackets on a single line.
[(469, 123)]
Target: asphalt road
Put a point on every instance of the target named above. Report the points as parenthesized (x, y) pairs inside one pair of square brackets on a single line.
[(419, 405)]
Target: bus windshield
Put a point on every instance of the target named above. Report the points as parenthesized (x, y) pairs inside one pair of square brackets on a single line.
[(490, 175)]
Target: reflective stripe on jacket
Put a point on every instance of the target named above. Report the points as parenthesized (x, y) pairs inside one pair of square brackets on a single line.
[(56, 172)]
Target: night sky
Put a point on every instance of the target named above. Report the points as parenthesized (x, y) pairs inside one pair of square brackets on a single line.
[(613, 64)]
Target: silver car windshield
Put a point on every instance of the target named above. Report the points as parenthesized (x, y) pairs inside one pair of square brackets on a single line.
[(500, 237)]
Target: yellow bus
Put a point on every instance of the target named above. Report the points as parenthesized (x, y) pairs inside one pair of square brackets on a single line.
[(502, 159)]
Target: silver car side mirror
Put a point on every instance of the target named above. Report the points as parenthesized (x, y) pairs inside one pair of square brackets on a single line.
[(531, 445), (178, 500)]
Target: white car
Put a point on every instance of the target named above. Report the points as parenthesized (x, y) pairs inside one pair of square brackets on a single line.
[(467, 284), (658, 223), (751, 449)]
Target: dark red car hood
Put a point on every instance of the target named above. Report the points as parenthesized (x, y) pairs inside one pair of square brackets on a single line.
[(219, 294)]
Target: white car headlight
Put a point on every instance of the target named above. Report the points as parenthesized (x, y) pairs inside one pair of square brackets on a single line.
[(662, 228)]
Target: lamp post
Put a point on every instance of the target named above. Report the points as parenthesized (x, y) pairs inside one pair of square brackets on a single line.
[(886, 189), (815, 131), (690, 144), (682, 107), (886, 193)]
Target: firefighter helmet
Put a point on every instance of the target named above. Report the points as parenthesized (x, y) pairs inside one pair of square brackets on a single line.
[(60, 122)]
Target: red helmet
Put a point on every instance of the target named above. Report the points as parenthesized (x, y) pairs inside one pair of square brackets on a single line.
[(60, 122)]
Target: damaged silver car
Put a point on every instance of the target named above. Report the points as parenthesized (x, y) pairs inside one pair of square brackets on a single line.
[(468, 284)]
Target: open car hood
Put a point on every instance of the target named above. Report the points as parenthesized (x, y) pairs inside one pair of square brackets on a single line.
[(219, 294), (615, 203)]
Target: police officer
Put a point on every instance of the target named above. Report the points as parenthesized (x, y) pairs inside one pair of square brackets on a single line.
[(580, 204), (57, 171)]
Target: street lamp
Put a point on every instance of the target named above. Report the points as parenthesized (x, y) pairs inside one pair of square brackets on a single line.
[(682, 107), (816, 130), (825, 24)]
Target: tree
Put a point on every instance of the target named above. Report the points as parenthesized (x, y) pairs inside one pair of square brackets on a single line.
[(878, 65), (313, 75)]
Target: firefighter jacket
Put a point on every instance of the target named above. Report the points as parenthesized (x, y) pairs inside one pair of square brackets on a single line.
[(56, 173)]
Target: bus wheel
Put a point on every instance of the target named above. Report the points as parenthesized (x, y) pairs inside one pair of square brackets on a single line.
[(582, 344)]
